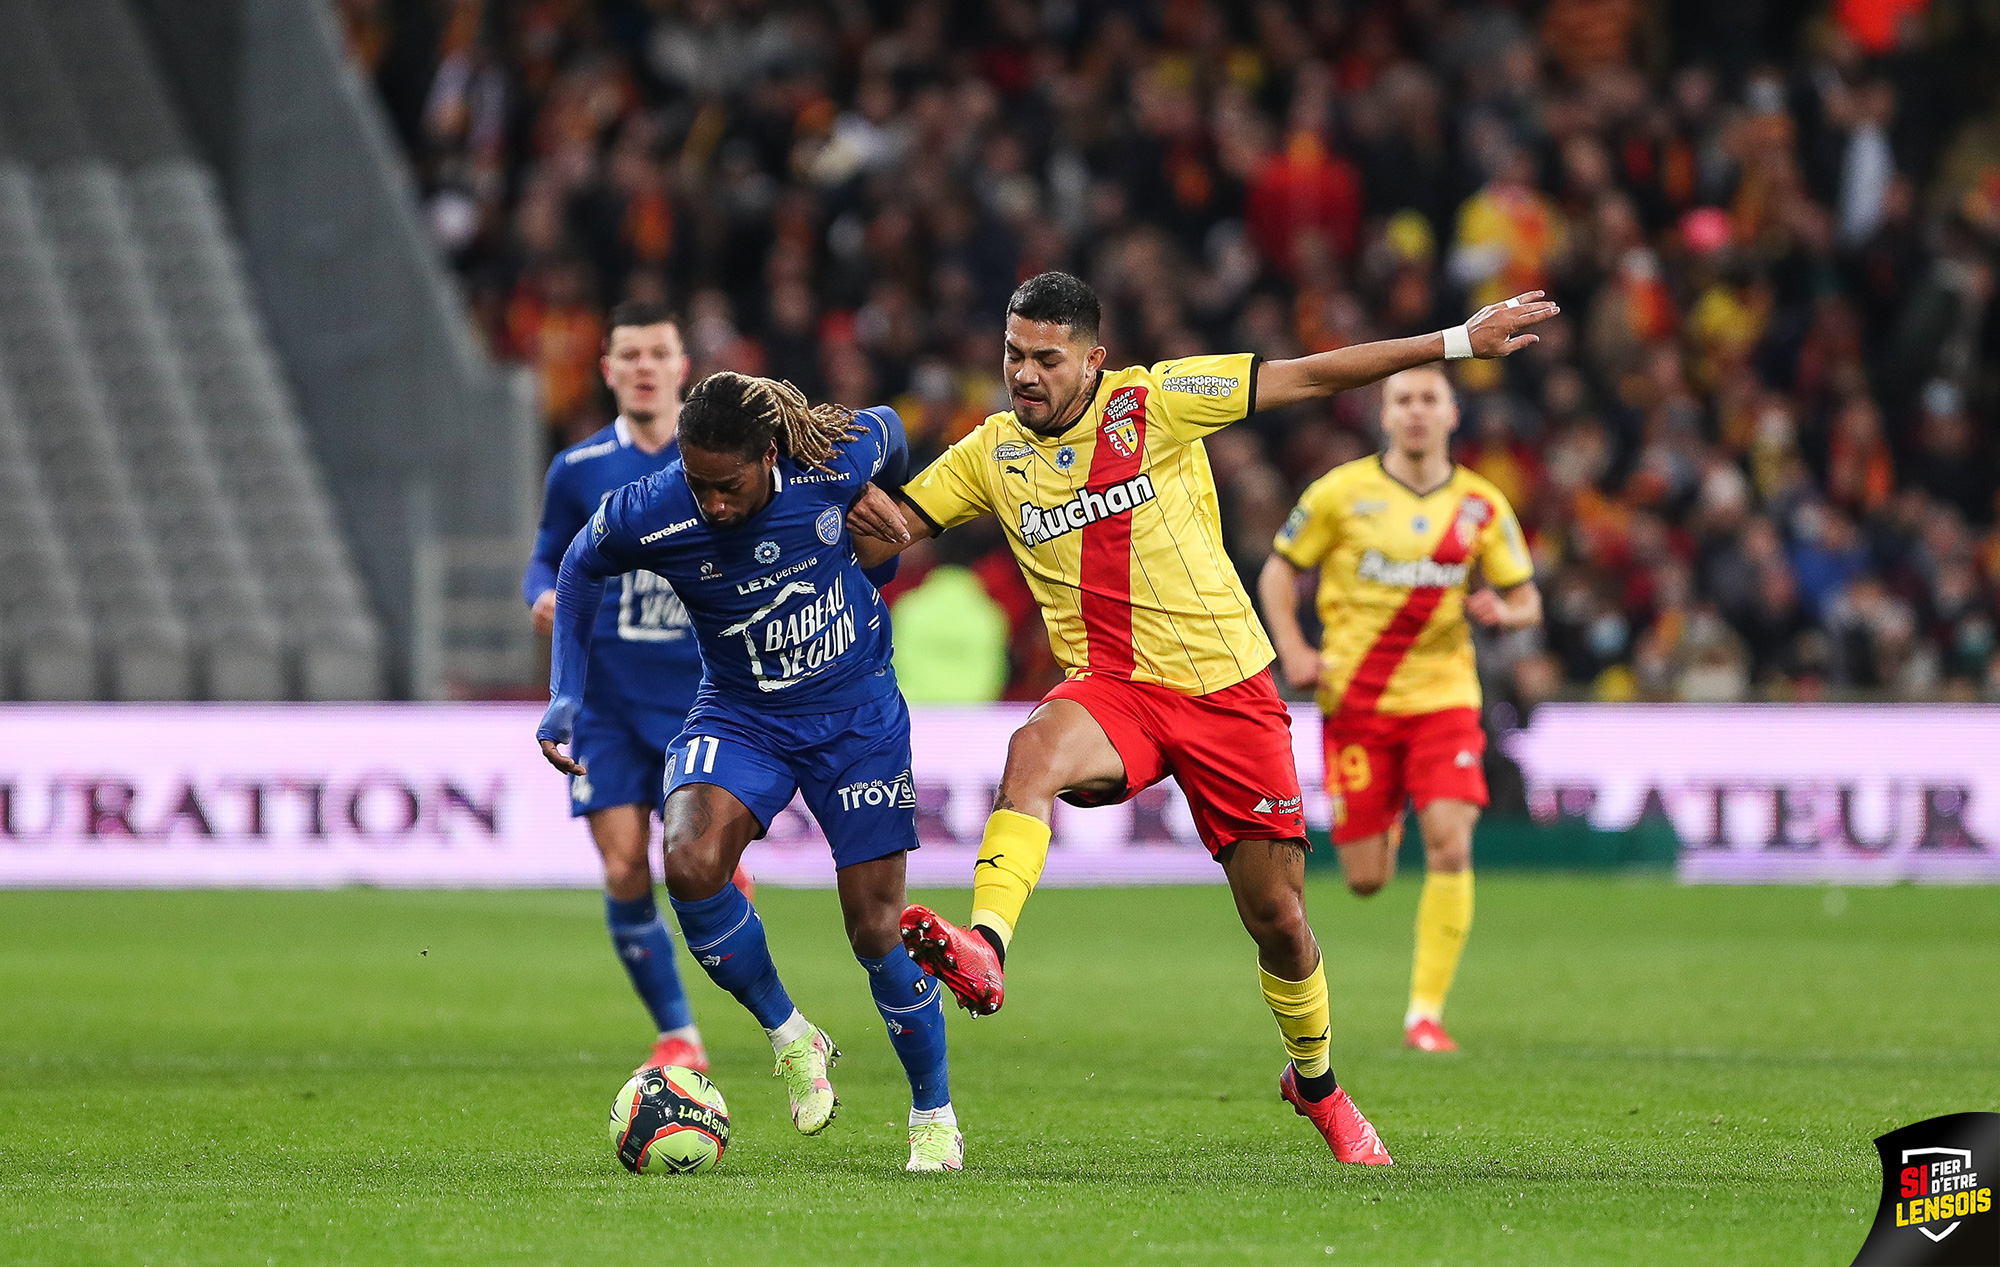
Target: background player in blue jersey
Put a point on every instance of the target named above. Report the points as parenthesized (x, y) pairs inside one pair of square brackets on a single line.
[(798, 696), (644, 663)]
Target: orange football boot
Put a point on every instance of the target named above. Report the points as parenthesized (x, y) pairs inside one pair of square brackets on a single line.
[(1348, 1133), (1428, 1035), (962, 959)]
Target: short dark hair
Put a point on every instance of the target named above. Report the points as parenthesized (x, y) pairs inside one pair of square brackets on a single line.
[(1060, 299), (633, 313)]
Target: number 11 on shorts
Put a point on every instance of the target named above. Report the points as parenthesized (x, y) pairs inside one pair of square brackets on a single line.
[(694, 751)]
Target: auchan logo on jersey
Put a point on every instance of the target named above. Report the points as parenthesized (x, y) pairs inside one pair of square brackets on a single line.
[(1087, 507), (1412, 574), (1126, 405)]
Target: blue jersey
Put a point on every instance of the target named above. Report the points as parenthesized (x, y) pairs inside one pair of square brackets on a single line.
[(642, 649), (785, 617)]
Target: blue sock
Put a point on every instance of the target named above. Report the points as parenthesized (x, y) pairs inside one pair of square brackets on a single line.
[(911, 1008), (726, 937), (647, 950)]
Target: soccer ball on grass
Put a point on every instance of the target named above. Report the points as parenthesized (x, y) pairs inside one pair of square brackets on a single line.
[(669, 1121)]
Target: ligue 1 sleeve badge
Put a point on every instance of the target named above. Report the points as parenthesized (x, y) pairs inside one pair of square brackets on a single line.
[(1937, 1195)]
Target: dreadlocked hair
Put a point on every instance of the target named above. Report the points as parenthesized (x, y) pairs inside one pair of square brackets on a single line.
[(741, 414)]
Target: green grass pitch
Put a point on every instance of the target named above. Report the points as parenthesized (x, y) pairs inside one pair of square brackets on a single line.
[(1651, 1074)]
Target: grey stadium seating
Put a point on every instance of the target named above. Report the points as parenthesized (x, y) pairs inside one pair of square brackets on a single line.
[(164, 529)]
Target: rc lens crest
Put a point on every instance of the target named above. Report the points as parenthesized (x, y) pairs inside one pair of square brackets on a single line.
[(1122, 416)]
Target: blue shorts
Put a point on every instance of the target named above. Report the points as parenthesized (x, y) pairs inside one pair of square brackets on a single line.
[(853, 768), (624, 753)]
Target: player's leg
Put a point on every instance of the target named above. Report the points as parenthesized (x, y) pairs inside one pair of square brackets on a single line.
[(1448, 783), (723, 787), (1444, 919), (617, 798), (1267, 881), (1064, 749), (1232, 755), (857, 785), (622, 834), (707, 830), (911, 1004), (1368, 864), (1364, 781)]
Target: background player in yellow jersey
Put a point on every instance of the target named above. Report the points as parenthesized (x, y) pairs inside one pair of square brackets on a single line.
[(1395, 538), (1101, 482)]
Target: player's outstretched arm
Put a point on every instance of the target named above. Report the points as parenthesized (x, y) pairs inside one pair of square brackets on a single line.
[(1278, 591), (579, 591), (1495, 330)]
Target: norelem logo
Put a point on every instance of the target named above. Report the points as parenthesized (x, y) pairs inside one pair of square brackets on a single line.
[(1937, 1194)]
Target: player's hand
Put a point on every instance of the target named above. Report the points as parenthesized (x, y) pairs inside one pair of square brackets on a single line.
[(1301, 666), (543, 614), (875, 514), (554, 756), (1496, 329), (558, 725), (1484, 606)]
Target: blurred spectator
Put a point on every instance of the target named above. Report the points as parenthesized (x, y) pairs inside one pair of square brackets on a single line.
[(1755, 458), (951, 637)]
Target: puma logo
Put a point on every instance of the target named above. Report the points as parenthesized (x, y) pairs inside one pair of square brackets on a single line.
[(1320, 1039), (1021, 471), (993, 862)]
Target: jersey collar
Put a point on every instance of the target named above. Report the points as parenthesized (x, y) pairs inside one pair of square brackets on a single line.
[(623, 430), (1443, 484)]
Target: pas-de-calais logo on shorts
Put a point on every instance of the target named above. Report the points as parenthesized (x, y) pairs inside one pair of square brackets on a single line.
[(828, 525), (1937, 1194)]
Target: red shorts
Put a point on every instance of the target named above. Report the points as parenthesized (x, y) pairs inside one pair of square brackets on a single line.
[(1230, 750), (1375, 761)]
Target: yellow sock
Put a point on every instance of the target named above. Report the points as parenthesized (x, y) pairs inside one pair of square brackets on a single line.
[(1303, 1017), (1010, 861), (1444, 917)]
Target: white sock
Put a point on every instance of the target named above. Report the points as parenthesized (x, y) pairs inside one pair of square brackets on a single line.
[(1414, 1015), (942, 1113), (790, 1031), (686, 1033)]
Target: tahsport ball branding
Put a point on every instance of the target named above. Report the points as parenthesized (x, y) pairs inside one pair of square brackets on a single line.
[(669, 1121)]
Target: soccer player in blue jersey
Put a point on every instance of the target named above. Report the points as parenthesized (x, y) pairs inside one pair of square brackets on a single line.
[(644, 663), (749, 527)]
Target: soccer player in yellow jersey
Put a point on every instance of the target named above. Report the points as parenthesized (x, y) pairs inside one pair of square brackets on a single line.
[(1101, 482), (1395, 538)]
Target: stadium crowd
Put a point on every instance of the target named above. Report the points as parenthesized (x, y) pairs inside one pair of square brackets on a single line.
[(1756, 457)]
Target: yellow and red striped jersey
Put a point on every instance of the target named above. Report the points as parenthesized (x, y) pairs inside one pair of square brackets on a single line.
[(1393, 565), (1115, 524)]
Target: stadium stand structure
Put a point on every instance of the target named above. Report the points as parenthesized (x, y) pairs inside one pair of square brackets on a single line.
[(192, 502)]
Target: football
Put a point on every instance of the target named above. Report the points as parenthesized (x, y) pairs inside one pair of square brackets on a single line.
[(669, 1121)]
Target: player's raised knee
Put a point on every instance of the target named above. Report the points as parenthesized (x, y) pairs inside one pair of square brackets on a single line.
[(1365, 885), (1033, 757)]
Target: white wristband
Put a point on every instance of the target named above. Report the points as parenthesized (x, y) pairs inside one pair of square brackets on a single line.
[(1457, 344)]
